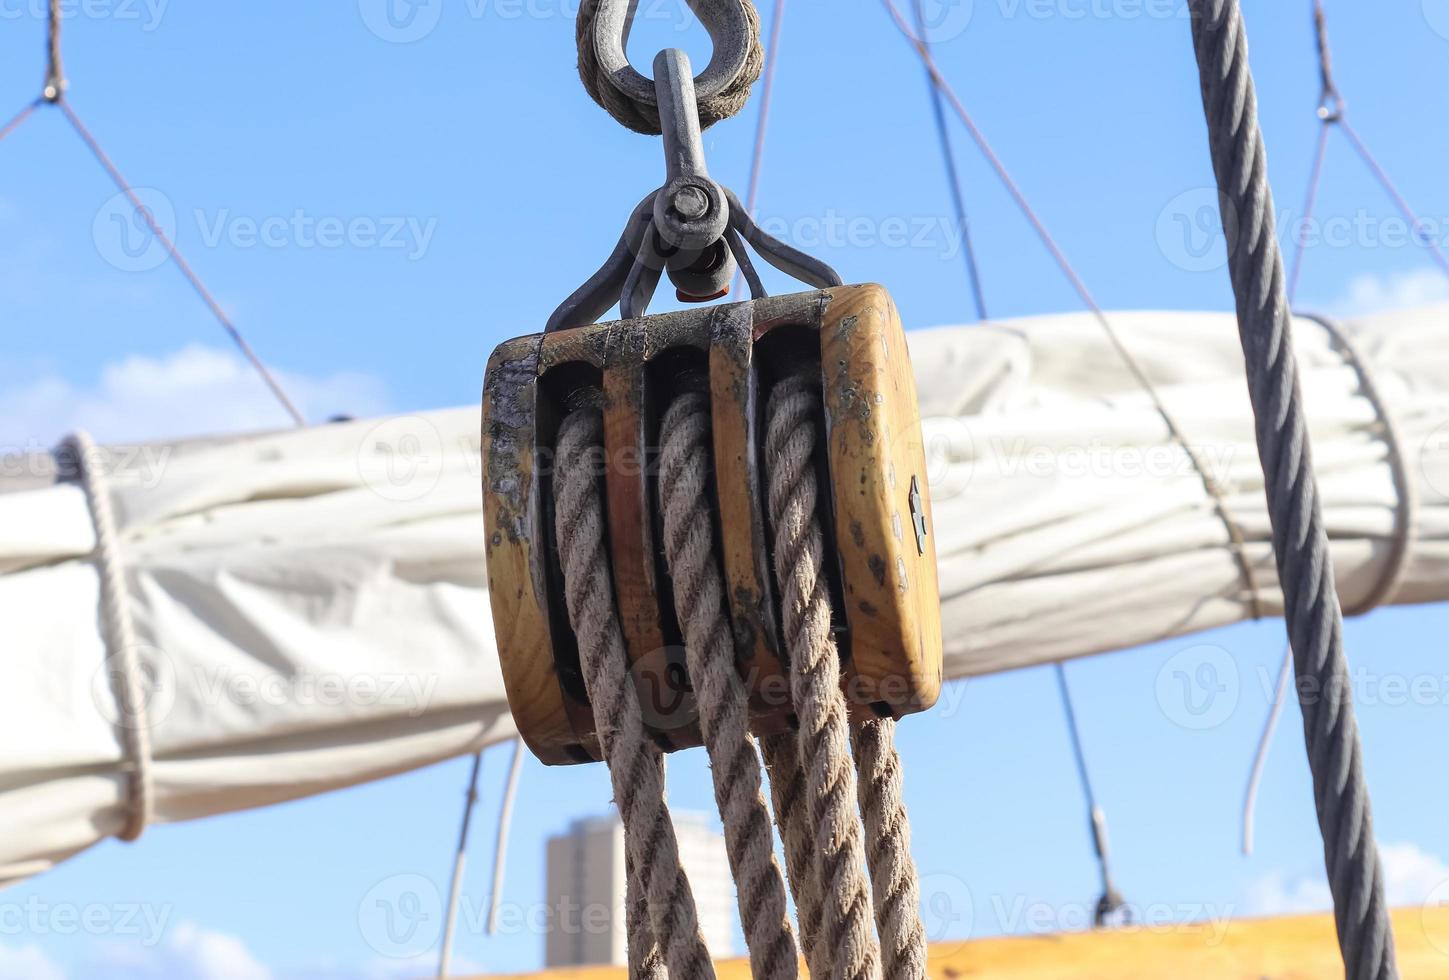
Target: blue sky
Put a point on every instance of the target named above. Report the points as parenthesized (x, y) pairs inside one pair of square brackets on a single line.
[(377, 210)]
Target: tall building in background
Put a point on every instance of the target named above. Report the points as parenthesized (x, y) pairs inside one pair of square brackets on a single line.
[(585, 883)]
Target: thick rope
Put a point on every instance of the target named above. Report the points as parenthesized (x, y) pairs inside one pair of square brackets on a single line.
[(635, 766), (894, 880), (646, 962), (787, 795), (846, 938), (1300, 543), (684, 478), (643, 117), (119, 633)]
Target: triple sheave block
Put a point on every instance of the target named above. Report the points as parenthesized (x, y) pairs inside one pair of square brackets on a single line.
[(879, 540)]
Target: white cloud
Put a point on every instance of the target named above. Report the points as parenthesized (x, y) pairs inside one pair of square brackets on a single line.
[(1410, 875), (27, 963), (195, 391), (189, 953), (1393, 291), (213, 955)]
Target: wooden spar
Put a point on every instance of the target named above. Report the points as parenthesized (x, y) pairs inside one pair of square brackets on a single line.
[(878, 522), (1301, 948)]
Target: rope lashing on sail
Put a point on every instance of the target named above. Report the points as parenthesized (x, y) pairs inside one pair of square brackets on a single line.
[(723, 90), (635, 765), (1300, 542), (123, 662)]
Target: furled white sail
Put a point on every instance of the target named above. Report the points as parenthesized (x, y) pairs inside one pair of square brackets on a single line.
[(310, 605)]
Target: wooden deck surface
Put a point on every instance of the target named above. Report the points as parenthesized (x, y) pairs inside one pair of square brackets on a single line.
[(1300, 948)]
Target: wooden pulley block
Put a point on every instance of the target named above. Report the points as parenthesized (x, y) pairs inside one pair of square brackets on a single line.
[(881, 561)]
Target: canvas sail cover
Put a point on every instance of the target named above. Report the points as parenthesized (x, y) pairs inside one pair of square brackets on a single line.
[(311, 608)]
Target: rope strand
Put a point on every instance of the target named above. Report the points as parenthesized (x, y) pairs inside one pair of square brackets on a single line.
[(895, 883), (848, 942), (635, 765), (684, 477)]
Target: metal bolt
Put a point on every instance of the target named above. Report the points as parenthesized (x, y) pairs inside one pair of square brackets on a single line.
[(691, 203), (918, 515)]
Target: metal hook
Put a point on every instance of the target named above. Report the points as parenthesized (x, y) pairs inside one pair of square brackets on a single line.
[(725, 21)]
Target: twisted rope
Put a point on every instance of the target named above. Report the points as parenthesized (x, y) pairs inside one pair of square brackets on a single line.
[(119, 632), (645, 960), (893, 876), (787, 794), (846, 938), (684, 477), (643, 117), (634, 764), (1300, 543)]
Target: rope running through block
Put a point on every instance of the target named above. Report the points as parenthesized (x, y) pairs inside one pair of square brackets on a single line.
[(635, 765)]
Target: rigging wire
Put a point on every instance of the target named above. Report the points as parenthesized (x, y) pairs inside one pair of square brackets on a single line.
[(181, 264), (1111, 901), (762, 124), (460, 859), (14, 122), (953, 174), (1238, 545), (500, 844), (1332, 112), (54, 94)]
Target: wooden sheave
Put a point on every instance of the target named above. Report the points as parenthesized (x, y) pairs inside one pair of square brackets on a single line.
[(882, 578)]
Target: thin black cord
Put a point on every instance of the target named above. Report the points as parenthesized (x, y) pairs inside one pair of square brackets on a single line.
[(953, 175)]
